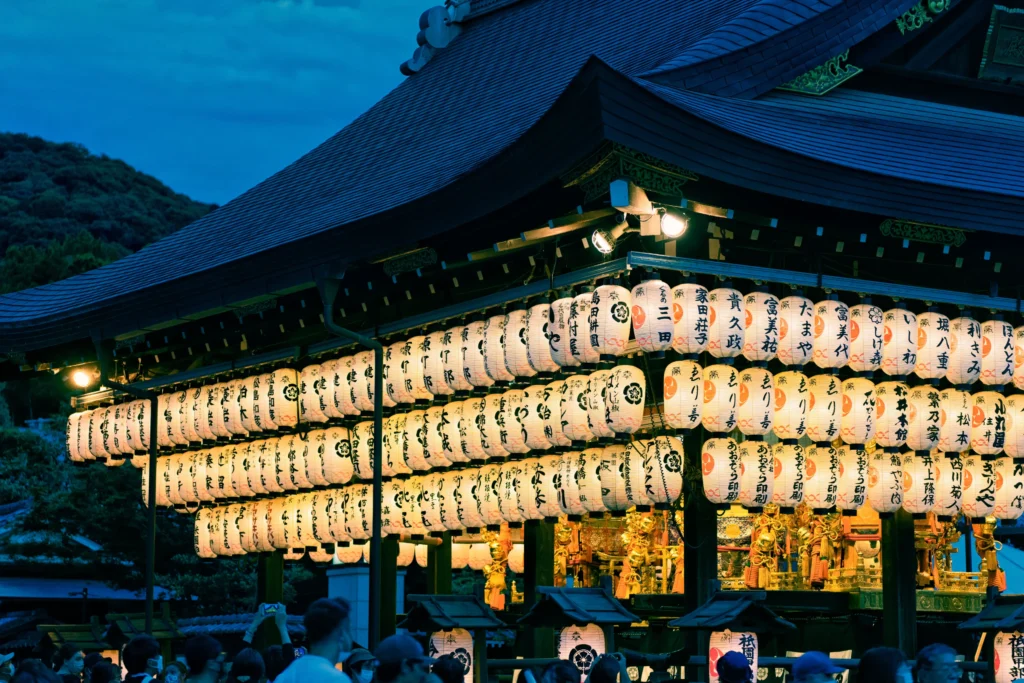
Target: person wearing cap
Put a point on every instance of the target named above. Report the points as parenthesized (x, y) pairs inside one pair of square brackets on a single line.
[(400, 659), (815, 667), (733, 667), (329, 642), (360, 665)]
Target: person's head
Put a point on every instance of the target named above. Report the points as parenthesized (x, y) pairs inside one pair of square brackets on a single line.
[(92, 659), (733, 667), (105, 672), (6, 666), (937, 663), (884, 665), (360, 665), (273, 660), (400, 659), (204, 658), (327, 627), (174, 672), (562, 671), (247, 667), (34, 671), (138, 653), (815, 667), (605, 670), (71, 659), (450, 669)]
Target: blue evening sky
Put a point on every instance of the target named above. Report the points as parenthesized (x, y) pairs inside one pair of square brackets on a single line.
[(209, 96)]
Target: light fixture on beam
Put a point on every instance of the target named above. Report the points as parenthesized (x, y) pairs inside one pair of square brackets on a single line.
[(82, 376), (673, 225), (605, 240), (629, 198)]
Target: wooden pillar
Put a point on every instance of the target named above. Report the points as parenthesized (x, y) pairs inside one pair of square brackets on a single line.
[(480, 656), (269, 589), (439, 566), (700, 551), (899, 582), (388, 582), (539, 557)]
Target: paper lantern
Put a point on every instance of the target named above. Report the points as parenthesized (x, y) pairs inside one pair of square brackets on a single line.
[(1018, 357), (134, 428), (731, 641), (260, 407), (590, 462), (857, 424), (298, 452), (538, 346), (513, 412), (241, 469), (885, 481), (431, 350), (205, 467), (459, 644), (899, 342), (932, 345), (451, 434), (653, 321), (891, 414), (358, 509), (71, 437), (821, 477), (283, 390), (1013, 445), (362, 449), (396, 449), (517, 558), (510, 482), (756, 409), (853, 478), (726, 316), (761, 328), (218, 412), (489, 494), (361, 379), (312, 394), (494, 349), (558, 337), (612, 477), (252, 468), (796, 331), (163, 426), (597, 419), (690, 313), (351, 554), (332, 373), (955, 409), (1009, 489), (493, 432), (86, 425), (416, 441), (533, 492), (979, 479), (554, 430), (949, 485), (574, 409), (997, 352), (471, 429), (924, 415), (413, 369), (334, 448), (176, 408), (453, 359), (866, 338), (663, 470), (582, 318), (474, 365), (460, 555), (100, 436), (824, 397), (390, 507), (479, 556), (918, 483), (548, 475), (229, 460), (720, 468), (332, 515), (475, 501), (201, 534), (430, 503), (625, 397), (757, 474), (608, 321), (721, 398), (412, 510), (683, 394), (573, 474), (450, 500), (1008, 656), (988, 423), (246, 407), (964, 351), (438, 446), (581, 646), (187, 414), (395, 389), (791, 404), (831, 334), (232, 404), (535, 418), (517, 351), (788, 491)]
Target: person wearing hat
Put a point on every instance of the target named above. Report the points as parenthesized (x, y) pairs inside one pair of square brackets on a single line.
[(360, 665), (400, 659), (815, 667), (733, 667)]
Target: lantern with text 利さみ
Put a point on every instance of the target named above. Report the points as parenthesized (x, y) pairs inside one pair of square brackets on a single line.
[(988, 423), (726, 318), (955, 410), (582, 646), (788, 491), (494, 348), (653, 324), (791, 403), (885, 482), (831, 334), (821, 477), (690, 313), (538, 346), (761, 327), (757, 474), (722, 642), (824, 407), (997, 352), (581, 344), (857, 423), (932, 345), (1009, 489), (979, 487), (720, 470), (918, 483), (683, 394), (756, 402), (853, 479), (796, 331), (721, 398), (517, 360), (866, 332), (558, 335), (899, 342), (964, 351)]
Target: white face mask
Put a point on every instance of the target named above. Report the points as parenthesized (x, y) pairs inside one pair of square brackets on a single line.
[(364, 676)]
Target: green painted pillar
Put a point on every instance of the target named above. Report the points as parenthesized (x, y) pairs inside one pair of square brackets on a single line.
[(480, 656), (269, 588), (539, 558), (899, 582), (700, 551), (389, 581), (439, 566)]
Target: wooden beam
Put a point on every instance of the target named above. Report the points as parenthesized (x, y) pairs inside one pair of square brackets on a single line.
[(539, 557), (899, 582), (700, 547), (439, 566)]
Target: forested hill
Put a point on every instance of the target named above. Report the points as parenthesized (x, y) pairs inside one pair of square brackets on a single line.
[(64, 211)]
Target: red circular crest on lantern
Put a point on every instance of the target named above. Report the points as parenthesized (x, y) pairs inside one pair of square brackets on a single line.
[(638, 317), (709, 390), (707, 463), (670, 387)]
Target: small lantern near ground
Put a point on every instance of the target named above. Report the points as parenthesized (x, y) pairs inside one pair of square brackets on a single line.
[(457, 625)]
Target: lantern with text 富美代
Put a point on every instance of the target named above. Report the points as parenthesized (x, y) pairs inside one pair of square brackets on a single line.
[(919, 483), (581, 317), (853, 479), (885, 482), (663, 470), (857, 423), (997, 352), (899, 342), (453, 360), (721, 398), (653, 323), (720, 471), (756, 402), (1009, 489), (821, 477), (988, 423), (761, 327), (791, 403), (796, 331), (722, 642), (964, 351), (609, 334), (517, 360), (932, 345), (726, 318), (683, 394), (866, 333), (690, 318), (538, 346), (757, 474), (582, 646), (625, 398), (494, 349), (831, 334), (558, 331)]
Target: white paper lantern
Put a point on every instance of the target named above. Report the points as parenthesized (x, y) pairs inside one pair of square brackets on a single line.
[(416, 441), (451, 434), (510, 483), (1013, 445), (979, 476), (663, 469), (218, 413), (756, 409), (205, 467), (535, 418), (431, 352), (390, 508), (163, 425), (260, 407), (955, 409), (453, 359), (471, 429), (597, 387), (582, 646), (243, 472), (831, 334), (201, 534), (397, 449), (573, 474), (298, 453), (283, 390), (924, 415), (1018, 357), (720, 468), (335, 448), (761, 335), (361, 379), (534, 489), (683, 394), (582, 323), (612, 477), (791, 404), (721, 398), (824, 398), (796, 330), (857, 425), (246, 407), (553, 416), (492, 431), (71, 437), (479, 556), (474, 365), (458, 643), (228, 459), (548, 476), (690, 314), (653, 319), (513, 413), (85, 432), (1007, 657), (113, 438), (899, 347), (494, 349), (997, 352), (608, 321), (892, 421), (414, 370), (731, 641), (866, 338), (918, 483), (133, 428), (438, 445), (788, 491), (460, 555), (558, 337), (757, 474), (332, 374), (459, 503), (853, 478), (574, 405), (1009, 489), (430, 503), (488, 494), (821, 477), (517, 349), (964, 351), (726, 317), (362, 449), (517, 558), (591, 461), (395, 391), (176, 417), (538, 346), (312, 394), (351, 554), (988, 423), (187, 414), (885, 481), (932, 345), (625, 398)]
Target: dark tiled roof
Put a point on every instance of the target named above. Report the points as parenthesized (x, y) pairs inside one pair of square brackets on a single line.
[(736, 611), (445, 612), (1002, 613), (567, 606), (35, 588), (230, 624)]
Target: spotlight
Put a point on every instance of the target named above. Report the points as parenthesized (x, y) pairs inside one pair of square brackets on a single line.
[(81, 378), (605, 240), (673, 225)]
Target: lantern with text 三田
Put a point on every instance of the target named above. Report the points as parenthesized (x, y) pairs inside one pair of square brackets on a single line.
[(653, 324), (726, 318)]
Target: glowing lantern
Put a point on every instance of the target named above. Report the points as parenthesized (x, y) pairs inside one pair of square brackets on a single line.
[(791, 403), (534, 416), (471, 429), (821, 477), (283, 391), (458, 643), (831, 334), (891, 419), (726, 317), (610, 315), (350, 554), (332, 374), (788, 491), (510, 483), (721, 398), (690, 313), (683, 394), (857, 424), (453, 359), (416, 441), (190, 416), (454, 503), (98, 422), (582, 646), (885, 482), (653, 325), (824, 397), (573, 472), (71, 437), (431, 360), (612, 476), (438, 447), (260, 407), (85, 427), (756, 411), (853, 478), (202, 536), (479, 556), (412, 362), (924, 414), (355, 515), (538, 346), (430, 503), (133, 428), (575, 422), (241, 468), (761, 328), (517, 360), (796, 330), (590, 463), (246, 407), (731, 641), (1018, 357), (395, 447), (964, 351), (1007, 657), (866, 335), (513, 412), (932, 345), (899, 347), (597, 387), (1014, 443), (298, 461), (474, 365), (492, 430), (460, 555), (553, 416), (362, 450), (558, 337), (581, 318), (494, 349), (997, 353), (451, 432), (663, 470), (625, 397), (548, 473), (247, 528), (757, 474), (918, 483), (949, 486), (395, 390), (720, 468), (988, 423), (1009, 489), (517, 558), (230, 415), (955, 409), (488, 494), (530, 496), (176, 416), (333, 449), (312, 395), (979, 491)]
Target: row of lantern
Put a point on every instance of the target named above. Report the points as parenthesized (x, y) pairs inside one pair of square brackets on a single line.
[(753, 473), (824, 408), (464, 555), (595, 480)]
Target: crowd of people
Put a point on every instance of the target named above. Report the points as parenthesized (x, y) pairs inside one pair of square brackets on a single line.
[(331, 657)]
